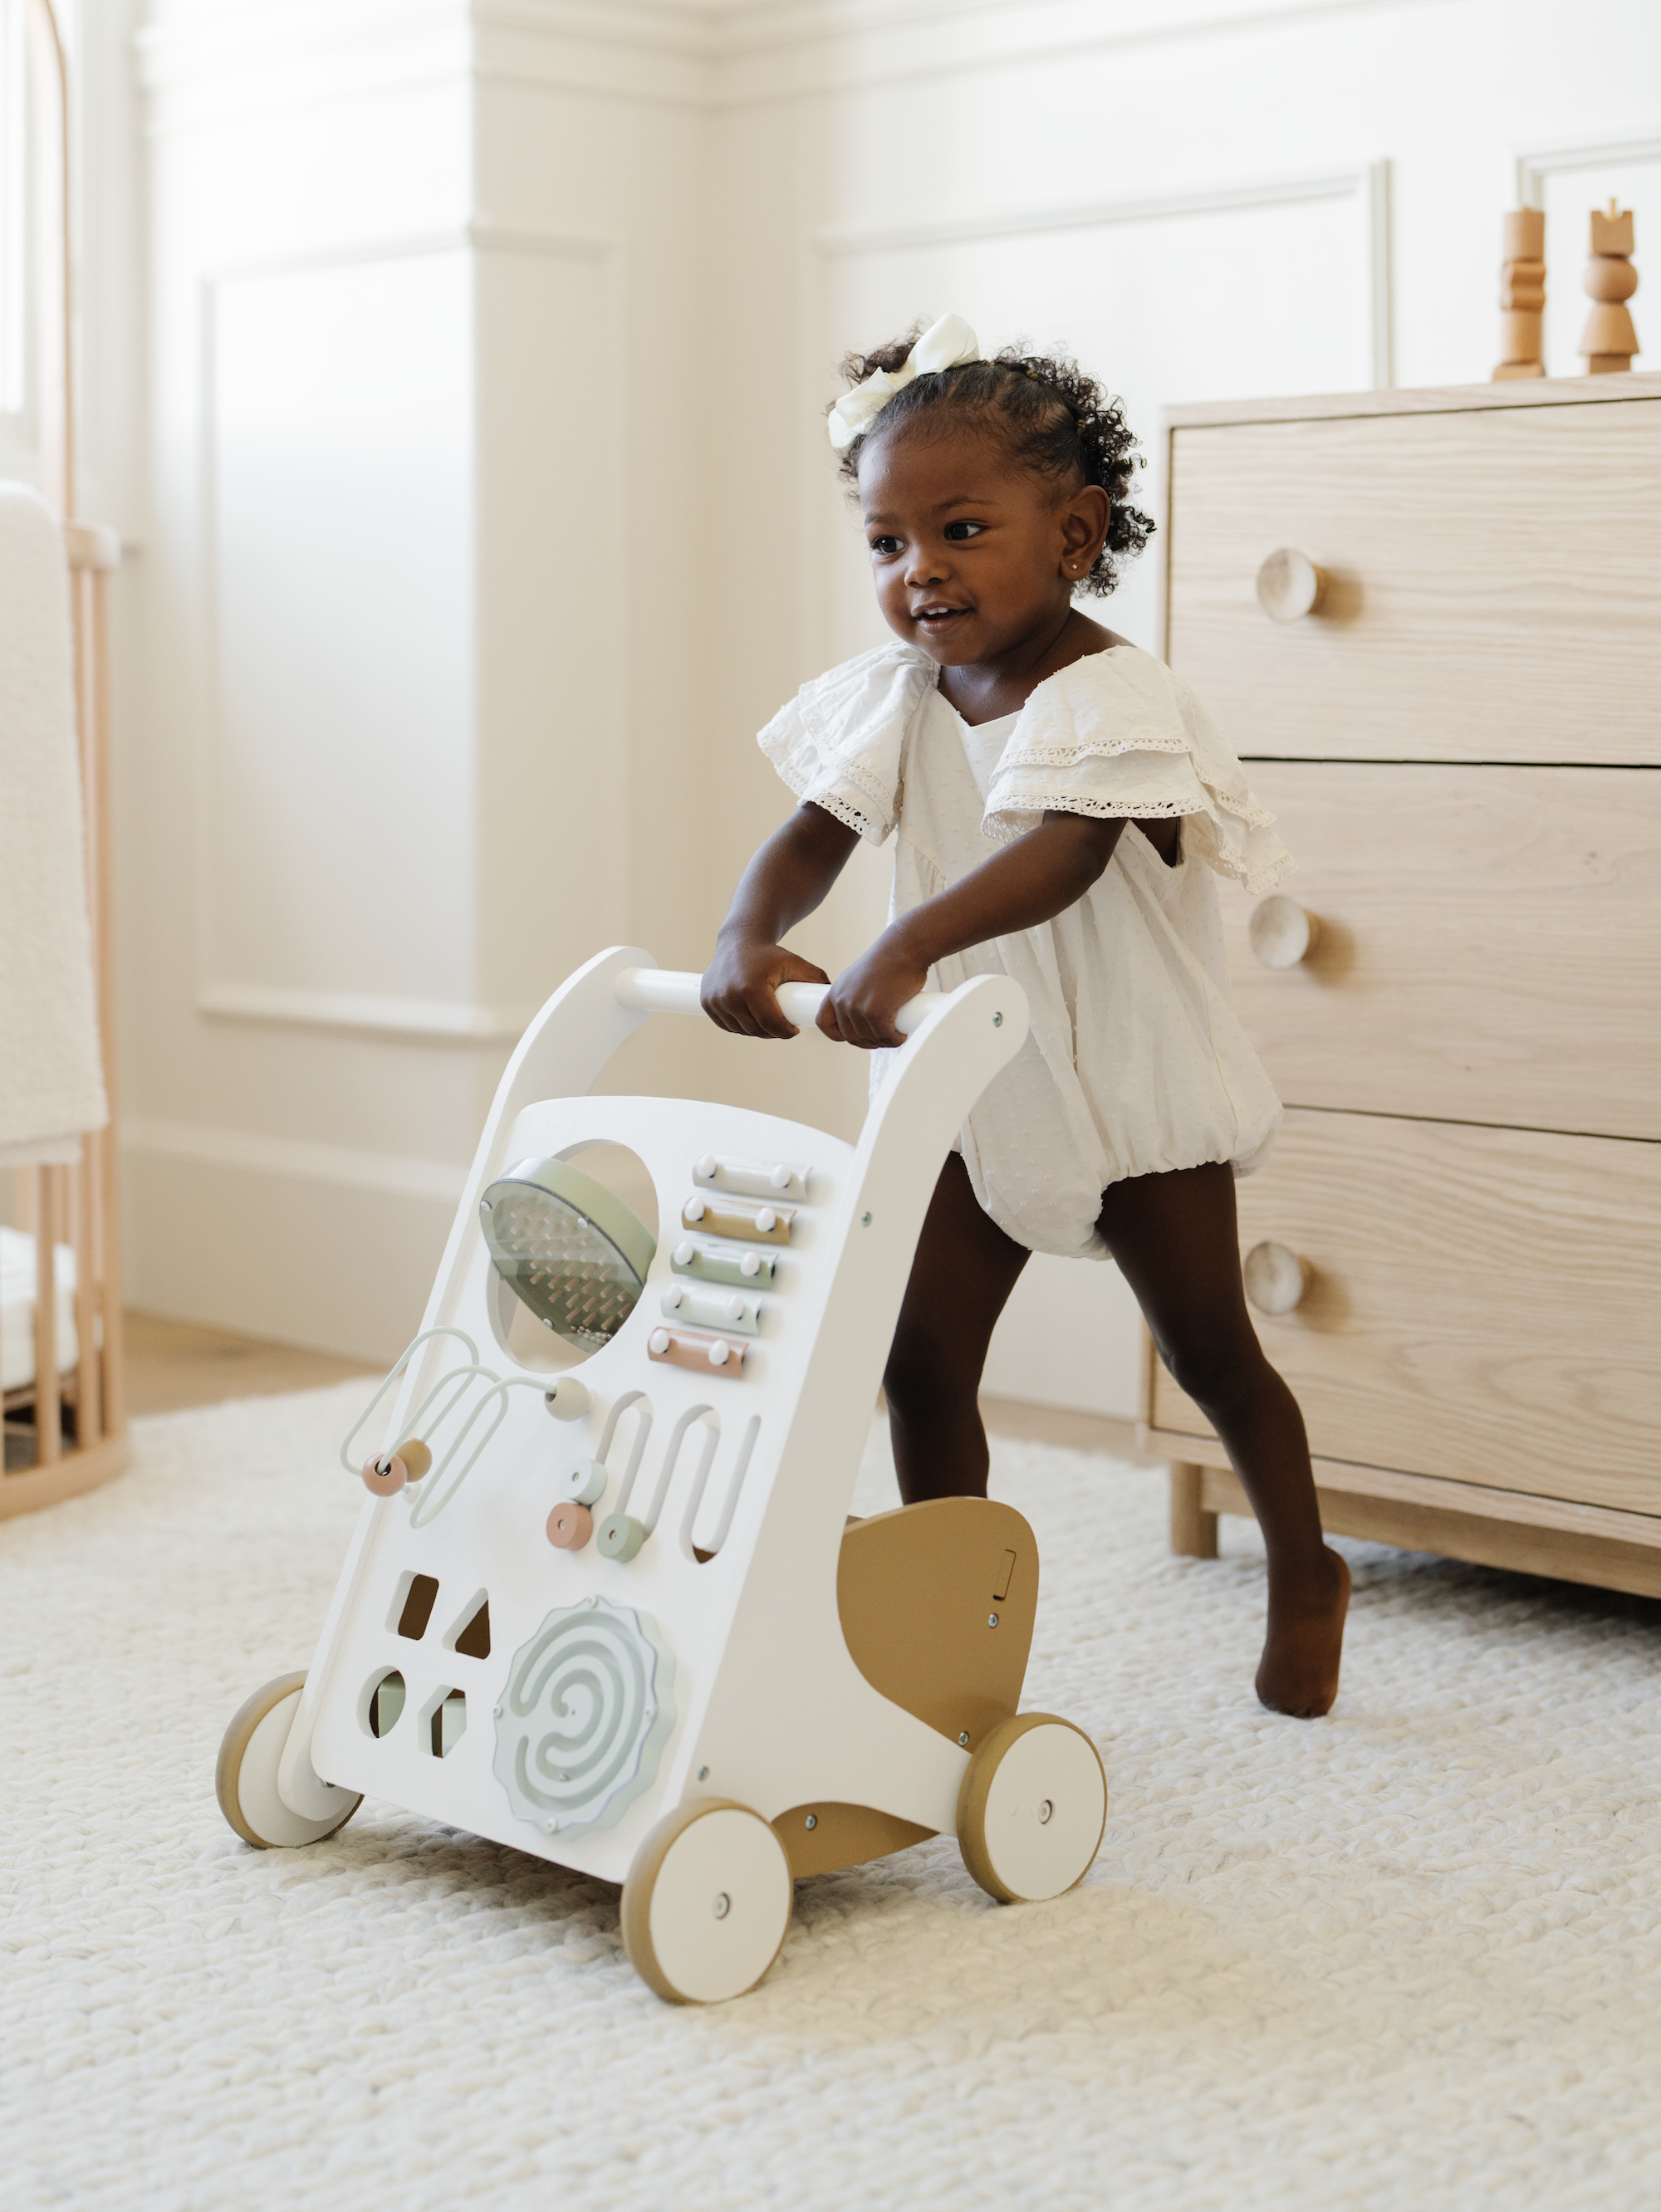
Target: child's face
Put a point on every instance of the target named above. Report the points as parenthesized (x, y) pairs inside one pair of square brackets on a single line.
[(973, 555)]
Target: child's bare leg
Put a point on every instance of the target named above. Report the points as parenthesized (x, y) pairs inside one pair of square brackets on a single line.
[(1175, 1239), (962, 1274)]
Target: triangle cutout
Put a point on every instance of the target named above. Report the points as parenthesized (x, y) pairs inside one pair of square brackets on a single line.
[(472, 1639)]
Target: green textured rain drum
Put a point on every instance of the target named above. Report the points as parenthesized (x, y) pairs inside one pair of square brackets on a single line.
[(568, 1249)]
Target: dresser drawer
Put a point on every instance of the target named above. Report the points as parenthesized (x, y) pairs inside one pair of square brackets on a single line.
[(1492, 591), (1482, 1302), (1487, 944)]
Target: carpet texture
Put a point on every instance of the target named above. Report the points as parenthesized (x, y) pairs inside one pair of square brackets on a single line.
[(1407, 1956)]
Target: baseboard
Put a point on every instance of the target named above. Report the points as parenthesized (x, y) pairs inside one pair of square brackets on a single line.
[(1111, 1435), (272, 1242)]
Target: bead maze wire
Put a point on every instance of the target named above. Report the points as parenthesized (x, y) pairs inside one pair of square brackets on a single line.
[(428, 1498)]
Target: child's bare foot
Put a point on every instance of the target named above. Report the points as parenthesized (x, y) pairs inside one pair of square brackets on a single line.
[(1298, 1673)]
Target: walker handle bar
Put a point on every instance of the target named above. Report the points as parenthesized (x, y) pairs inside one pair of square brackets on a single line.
[(675, 991)]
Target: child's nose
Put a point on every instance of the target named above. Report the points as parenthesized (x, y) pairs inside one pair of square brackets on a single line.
[(927, 565)]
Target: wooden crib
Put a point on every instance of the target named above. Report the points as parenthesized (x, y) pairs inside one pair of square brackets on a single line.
[(66, 1429)]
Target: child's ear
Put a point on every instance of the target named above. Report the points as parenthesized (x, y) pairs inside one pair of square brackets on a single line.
[(1084, 528)]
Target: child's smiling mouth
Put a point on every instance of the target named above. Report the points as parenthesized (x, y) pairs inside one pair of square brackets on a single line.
[(937, 616)]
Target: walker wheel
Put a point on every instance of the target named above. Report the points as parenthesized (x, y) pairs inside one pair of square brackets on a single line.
[(1033, 1808), (706, 1903), (244, 1779)]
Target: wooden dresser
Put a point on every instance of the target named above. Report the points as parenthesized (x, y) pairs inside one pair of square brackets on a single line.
[(1462, 741)]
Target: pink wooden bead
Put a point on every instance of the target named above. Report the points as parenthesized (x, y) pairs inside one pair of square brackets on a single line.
[(385, 1478), (569, 1526)]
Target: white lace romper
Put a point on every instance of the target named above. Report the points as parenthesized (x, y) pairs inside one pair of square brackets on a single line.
[(1136, 1063)]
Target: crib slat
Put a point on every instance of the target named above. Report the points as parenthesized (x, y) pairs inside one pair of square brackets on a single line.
[(109, 1287), (89, 1424), (107, 1185), (48, 1417)]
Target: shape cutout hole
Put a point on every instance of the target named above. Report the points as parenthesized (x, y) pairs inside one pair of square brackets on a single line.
[(420, 1596), (471, 1634), (709, 1522), (623, 1442), (384, 1703), (445, 1722)]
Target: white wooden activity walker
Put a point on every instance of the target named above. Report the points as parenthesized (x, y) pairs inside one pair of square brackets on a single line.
[(604, 1602)]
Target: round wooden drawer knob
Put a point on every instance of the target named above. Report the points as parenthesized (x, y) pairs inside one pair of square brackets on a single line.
[(1289, 585), (1276, 1277), (1282, 932)]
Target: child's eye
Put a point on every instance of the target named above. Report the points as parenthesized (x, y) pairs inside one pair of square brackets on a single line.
[(960, 531), (888, 547)]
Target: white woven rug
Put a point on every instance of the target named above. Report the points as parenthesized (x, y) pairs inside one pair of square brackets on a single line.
[(1407, 1956)]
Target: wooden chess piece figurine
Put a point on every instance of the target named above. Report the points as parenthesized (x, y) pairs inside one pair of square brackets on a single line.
[(1522, 293), (1609, 341)]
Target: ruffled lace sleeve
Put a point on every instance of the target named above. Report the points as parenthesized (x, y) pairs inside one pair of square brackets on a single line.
[(1118, 734), (841, 741)]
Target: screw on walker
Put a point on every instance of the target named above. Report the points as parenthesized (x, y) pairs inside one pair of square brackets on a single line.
[(604, 1602)]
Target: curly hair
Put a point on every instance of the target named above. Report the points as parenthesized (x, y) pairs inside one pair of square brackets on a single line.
[(1051, 416)]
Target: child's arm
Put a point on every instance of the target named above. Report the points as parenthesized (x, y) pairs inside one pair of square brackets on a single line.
[(1030, 882), (789, 877)]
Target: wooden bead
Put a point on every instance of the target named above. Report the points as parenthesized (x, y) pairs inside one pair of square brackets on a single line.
[(621, 1535), (385, 1477), (569, 1526), (1607, 279)]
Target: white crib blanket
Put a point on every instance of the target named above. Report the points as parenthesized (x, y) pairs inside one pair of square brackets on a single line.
[(51, 1084), (17, 1309)]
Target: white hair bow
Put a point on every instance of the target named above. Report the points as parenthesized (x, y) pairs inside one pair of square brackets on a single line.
[(948, 343)]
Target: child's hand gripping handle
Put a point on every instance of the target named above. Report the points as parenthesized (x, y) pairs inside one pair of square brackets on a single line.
[(677, 991)]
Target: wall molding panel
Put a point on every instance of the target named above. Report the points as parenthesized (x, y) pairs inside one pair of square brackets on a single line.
[(409, 1021), (1368, 184), (462, 238), (1536, 165), (225, 835), (200, 1146)]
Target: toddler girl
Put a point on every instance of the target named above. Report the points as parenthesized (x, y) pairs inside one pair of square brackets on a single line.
[(1061, 803)]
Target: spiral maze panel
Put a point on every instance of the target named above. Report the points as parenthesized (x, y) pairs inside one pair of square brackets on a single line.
[(588, 1707)]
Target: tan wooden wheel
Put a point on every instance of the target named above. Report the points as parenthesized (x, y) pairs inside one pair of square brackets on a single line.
[(706, 1903), (1033, 1808), (244, 1779)]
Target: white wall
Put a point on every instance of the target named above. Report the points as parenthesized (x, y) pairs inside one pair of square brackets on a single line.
[(489, 512), (1203, 201)]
